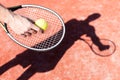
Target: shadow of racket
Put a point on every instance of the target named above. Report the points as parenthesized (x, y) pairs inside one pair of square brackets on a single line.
[(107, 48)]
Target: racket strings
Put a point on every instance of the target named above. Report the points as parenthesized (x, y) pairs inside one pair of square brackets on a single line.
[(49, 42), (40, 40)]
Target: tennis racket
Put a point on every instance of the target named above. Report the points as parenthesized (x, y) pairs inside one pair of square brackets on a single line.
[(105, 52), (48, 40)]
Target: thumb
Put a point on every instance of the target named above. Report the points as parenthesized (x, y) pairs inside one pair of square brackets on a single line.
[(33, 26)]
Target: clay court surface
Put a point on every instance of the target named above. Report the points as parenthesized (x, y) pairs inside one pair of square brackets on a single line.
[(78, 56)]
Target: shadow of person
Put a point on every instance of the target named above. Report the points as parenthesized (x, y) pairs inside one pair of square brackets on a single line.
[(46, 61)]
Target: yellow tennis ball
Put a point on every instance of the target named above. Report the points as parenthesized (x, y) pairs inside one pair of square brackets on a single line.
[(41, 23)]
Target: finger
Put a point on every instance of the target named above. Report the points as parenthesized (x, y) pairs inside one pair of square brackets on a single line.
[(27, 34), (35, 27), (32, 31), (42, 31), (23, 35)]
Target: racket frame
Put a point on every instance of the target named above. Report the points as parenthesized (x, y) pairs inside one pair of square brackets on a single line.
[(35, 6)]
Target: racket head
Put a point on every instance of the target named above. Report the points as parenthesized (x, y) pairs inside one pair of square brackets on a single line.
[(48, 40)]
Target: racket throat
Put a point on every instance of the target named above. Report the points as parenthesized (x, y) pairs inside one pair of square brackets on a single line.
[(15, 8), (5, 26)]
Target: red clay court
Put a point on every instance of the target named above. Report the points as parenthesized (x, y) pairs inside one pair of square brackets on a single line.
[(90, 24)]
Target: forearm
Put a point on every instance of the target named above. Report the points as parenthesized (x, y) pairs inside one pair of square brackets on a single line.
[(5, 14)]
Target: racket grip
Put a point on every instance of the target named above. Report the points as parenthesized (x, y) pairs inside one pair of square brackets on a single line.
[(15, 8)]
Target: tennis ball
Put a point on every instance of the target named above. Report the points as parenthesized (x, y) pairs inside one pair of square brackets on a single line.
[(42, 24)]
